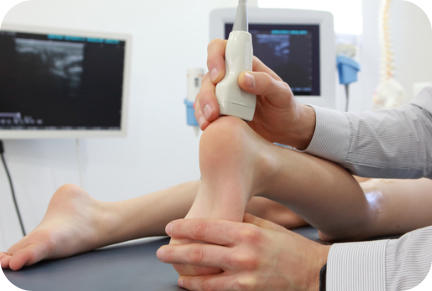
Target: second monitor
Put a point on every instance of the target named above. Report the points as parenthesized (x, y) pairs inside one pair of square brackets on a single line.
[(297, 44)]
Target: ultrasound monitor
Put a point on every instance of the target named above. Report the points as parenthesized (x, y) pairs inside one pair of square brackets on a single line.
[(62, 84), (297, 44)]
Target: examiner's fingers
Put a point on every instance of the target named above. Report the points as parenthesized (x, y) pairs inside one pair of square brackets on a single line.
[(197, 254), (259, 66), (221, 282), (206, 230), (216, 59), (252, 219), (216, 62), (206, 107), (261, 83)]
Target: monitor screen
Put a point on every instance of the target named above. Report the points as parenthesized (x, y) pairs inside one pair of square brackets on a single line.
[(292, 51), (60, 82)]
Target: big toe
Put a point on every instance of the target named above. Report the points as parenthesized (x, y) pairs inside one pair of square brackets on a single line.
[(28, 256), (20, 259), (2, 254), (4, 261)]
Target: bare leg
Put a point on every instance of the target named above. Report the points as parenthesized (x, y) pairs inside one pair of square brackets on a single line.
[(405, 204), (237, 164), (75, 222)]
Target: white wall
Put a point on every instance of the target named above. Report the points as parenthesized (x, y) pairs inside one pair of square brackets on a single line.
[(411, 36), (160, 150), (347, 14), (369, 55)]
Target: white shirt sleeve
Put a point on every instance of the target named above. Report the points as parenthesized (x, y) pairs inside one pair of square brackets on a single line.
[(382, 144), (384, 265), (356, 266)]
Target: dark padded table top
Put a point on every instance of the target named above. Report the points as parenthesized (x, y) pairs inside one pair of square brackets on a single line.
[(132, 266)]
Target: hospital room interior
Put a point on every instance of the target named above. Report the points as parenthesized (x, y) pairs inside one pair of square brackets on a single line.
[(115, 113)]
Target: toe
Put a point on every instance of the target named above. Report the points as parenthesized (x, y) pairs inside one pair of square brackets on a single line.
[(2, 255), (30, 255), (19, 260), (5, 262)]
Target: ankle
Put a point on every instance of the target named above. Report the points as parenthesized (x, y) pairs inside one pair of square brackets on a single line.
[(267, 167), (109, 223)]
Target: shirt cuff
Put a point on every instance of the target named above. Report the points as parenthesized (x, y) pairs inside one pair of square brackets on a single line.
[(357, 266), (332, 135)]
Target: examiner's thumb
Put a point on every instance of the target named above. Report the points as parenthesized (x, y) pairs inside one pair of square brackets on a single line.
[(260, 83)]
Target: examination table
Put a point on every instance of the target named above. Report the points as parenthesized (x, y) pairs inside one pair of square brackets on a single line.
[(130, 266)]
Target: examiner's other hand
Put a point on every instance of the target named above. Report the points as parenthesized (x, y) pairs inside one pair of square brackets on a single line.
[(256, 255), (278, 117)]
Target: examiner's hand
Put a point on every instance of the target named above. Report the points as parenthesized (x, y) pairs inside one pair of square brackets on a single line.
[(278, 117), (256, 255)]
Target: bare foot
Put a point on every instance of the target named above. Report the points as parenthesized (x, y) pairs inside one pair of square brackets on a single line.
[(72, 224), (234, 167)]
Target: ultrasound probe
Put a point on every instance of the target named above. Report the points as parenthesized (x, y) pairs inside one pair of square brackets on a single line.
[(238, 58)]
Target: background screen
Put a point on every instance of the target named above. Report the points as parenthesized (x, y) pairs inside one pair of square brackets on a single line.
[(50, 82), (292, 51)]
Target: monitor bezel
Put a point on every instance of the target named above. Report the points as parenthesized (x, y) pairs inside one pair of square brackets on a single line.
[(327, 98), (79, 133)]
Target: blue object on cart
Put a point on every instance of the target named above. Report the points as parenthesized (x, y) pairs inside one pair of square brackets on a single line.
[(348, 70), (190, 113)]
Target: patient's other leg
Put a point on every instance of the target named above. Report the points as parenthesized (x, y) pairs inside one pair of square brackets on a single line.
[(69, 227), (75, 223)]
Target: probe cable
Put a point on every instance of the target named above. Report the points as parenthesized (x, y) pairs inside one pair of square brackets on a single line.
[(12, 189), (347, 95)]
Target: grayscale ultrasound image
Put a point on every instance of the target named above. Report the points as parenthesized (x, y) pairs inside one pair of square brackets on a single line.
[(52, 82), (64, 61), (280, 43)]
